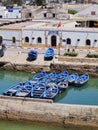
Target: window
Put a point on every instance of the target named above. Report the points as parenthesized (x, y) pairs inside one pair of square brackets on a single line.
[(27, 39), (53, 15), (93, 12), (68, 41), (88, 42), (1, 40), (78, 40), (95, 40), (13, 40), (10, 10), (30, 14), (63, 40), (45, 15), (39, 40)]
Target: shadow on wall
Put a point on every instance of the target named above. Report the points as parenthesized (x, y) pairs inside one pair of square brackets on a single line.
[(2, 50)]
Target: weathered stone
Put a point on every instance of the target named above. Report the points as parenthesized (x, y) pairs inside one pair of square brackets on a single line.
[(46, 111)]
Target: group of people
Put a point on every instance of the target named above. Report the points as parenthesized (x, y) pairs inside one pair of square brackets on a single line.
[(68, 50)]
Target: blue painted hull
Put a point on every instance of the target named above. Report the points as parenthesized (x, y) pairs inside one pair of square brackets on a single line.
[(32, 55), (82, 80), (49, 54)]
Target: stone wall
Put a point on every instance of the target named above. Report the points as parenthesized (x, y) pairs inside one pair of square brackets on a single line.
[(24, 67), (92, 70), (12, 108)]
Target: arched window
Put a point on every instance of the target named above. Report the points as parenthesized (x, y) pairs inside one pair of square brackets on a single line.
[(88, 42), (1, 40), (68, 41), (39, 40), (13, 40), (27, 39)]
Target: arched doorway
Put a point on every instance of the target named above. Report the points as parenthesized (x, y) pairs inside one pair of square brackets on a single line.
[(39, 40), (53, 40)]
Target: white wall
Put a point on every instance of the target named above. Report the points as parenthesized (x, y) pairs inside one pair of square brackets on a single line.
[(15, 13), (35, 33), (8, 34)]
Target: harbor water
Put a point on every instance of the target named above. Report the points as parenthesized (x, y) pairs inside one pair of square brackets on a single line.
[(85, 95)]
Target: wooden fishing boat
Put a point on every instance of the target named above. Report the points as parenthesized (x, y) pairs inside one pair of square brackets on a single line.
[(24, 92), (39, 75), (51, 92), (63, 85), (49, 54), (72, 78), (81, 80), (61, 77), (38, 90), (12, 90), (32, 55)]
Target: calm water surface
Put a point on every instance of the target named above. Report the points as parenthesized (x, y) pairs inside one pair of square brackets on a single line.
[(86, 95), (13, 125)]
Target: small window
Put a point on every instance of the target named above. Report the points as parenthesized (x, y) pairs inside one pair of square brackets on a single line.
[(13, 40), (95, 40), (10, 10), (93, 12), (30, 14), (19, 11), (53, 15), (64, 40), (45, 15), (78, 40), (88, 42)]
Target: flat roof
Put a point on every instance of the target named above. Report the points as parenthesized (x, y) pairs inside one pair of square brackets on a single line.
[(18, 25)]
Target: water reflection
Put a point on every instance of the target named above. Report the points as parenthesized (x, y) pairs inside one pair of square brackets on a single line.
[(13, 125)]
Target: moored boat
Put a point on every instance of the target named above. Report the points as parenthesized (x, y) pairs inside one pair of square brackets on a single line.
[(49, 54), (81, 80), (62, 85), (51, 92), (38, 90), (72, 78), (12, 90), (32, 55), (39, 75)]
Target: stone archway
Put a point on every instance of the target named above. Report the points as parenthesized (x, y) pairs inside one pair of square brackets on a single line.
[(53, 41)]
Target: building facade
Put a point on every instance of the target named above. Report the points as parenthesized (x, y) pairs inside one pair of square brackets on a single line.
[(50, 37)]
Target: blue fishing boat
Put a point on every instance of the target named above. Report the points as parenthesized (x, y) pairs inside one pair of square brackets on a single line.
[(24, 92), (63, 85), (38, 90), (32, 55), (62, 77), (49, 78), (72, 78), (39, 75), (12, 90), (49, 54), (81, 80), (51, 91)]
